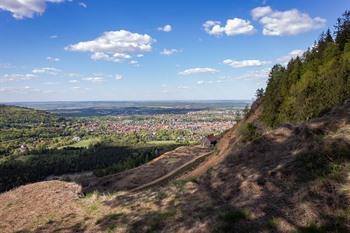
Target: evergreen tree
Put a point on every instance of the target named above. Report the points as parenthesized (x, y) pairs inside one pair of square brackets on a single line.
[(343, 30), (259, 93), (313, 83)]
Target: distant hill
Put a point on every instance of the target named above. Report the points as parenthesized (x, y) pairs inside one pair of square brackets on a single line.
[(11, 116), (128, 108)]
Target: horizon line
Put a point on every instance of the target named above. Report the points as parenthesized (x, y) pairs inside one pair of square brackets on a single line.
[(174, 100)]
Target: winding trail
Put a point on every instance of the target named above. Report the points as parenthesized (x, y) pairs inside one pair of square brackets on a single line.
[(160, 170), (175, 173)]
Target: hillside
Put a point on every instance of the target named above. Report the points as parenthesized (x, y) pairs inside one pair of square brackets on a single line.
[(12, 116), (31, 128), (313, 83), (294, 177)]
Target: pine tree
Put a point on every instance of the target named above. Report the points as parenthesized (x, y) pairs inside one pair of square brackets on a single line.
[(343, 30), (313, 83)]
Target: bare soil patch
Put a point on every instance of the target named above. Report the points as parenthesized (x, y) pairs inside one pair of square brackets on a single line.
[(146, 173)]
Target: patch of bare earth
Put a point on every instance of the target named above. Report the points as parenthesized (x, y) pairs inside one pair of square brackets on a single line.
[(56, 206), (146, 173), (294, 178), (35, 205)]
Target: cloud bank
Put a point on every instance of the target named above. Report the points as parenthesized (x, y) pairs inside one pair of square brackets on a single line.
[(114, 46), (232, 27), (281, 23), (21, 9)]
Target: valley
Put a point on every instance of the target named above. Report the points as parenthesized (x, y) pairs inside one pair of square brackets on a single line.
[(37, 144)]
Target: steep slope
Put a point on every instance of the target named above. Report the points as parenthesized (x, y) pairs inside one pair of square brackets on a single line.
[(228, 142), (144, 174), (292, 178)]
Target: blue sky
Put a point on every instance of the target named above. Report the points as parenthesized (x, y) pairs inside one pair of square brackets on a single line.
[(151, 50)]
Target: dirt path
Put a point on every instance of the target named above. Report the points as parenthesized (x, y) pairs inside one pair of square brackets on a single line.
[(158, 170), (190, 164)]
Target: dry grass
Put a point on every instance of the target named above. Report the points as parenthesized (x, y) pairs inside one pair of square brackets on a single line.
[(157, 168)]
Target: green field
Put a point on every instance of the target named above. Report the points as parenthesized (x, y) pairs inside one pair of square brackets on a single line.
[(85, 143)]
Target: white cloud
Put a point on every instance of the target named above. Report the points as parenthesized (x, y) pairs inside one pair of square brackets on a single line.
[(16, 77), (290, 22), (119, 77), (53, 37), (233, 27), (94, 79), (51, 83), (183, 87), (46, 70), (292, 54), (73, 75), (21, 9), (73, 81), (55, 59), (168, 52), (114, 46), (165, 28), (133, 62), (198, 70), (82, 4), (139, 55), (201, 82), (244, 63), (256, 74), (259, 12), (19, 90)]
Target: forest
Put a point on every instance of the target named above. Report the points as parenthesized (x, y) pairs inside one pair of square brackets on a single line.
[(312, 84), (35, 144)]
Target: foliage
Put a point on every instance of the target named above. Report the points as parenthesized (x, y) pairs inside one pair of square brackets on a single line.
[(153, 222), (313, 83), (228, 219), (246, 110), (259, 93), (11, 116), (324, 161), (135, 160), (249, 132), (31, 168)]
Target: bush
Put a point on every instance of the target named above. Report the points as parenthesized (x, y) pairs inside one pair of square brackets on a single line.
[(228, 219), (249, 132)]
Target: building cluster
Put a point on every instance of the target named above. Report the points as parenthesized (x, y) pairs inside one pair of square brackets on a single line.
[(198, 123)]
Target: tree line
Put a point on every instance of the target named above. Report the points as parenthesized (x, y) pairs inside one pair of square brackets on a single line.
[(103, 159), (313, 83)]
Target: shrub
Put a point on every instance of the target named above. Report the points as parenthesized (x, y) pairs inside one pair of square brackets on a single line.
[(249, 132), (228, 219)]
